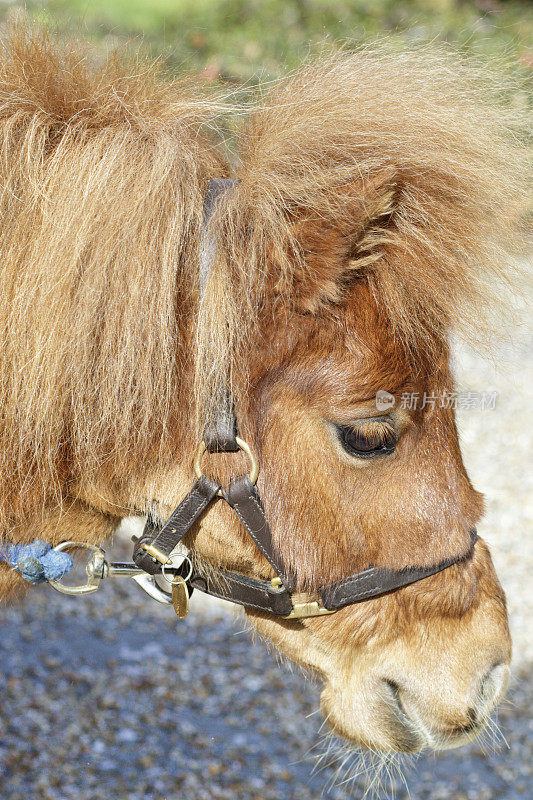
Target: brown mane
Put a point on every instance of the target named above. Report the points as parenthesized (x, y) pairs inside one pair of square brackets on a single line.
[(438, 246), (102, 174), (103, 171)]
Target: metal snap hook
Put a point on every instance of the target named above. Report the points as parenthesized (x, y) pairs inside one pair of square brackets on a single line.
[(148, 584), (95, 569)]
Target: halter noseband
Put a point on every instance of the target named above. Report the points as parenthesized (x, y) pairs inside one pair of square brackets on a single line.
[(277, 596)]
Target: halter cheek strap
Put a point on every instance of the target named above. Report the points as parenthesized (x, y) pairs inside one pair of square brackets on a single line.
[(379, 580), (275, 597)]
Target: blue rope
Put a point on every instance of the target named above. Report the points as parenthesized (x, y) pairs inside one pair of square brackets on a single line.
[(37, 562)]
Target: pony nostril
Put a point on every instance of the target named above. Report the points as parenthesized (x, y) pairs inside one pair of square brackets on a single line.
[(491, 688), (412, 726), (405, 734), (392, 686), (471, 725), (493, 685)]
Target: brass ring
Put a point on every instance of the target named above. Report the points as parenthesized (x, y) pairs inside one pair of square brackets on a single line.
[(170, 564), (254, 466)]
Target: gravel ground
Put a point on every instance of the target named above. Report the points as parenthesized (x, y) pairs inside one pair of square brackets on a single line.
[(110, 698)]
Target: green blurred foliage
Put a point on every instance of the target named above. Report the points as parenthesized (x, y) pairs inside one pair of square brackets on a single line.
[(241, 40)]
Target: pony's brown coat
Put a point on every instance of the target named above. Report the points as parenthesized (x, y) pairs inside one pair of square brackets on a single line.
[(432, 168)]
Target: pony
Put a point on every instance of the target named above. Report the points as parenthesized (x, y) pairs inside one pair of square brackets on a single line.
[(377, 212)]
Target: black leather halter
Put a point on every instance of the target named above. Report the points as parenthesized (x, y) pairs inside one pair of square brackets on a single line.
[(276, 597)]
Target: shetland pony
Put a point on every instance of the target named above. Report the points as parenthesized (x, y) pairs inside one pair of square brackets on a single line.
[(377, 211)]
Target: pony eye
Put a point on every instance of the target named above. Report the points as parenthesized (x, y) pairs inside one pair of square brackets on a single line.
[(368, 439)]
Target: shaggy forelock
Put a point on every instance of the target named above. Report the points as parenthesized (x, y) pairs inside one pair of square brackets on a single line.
[(456, 159), (103, 169), (447, 239)]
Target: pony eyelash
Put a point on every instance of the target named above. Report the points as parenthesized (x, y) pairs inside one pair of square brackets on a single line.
[(368, 438)]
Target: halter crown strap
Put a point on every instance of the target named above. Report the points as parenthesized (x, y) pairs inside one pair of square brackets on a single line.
[(220, 436)]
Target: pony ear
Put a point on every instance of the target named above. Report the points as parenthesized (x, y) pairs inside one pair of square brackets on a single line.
[(335, 243)]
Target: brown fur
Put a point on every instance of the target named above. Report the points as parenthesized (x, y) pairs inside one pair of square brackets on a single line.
[(377, 211)]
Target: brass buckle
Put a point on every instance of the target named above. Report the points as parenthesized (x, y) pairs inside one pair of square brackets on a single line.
[(156, 554), (244, 446), (308, 608), (305, 607)]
